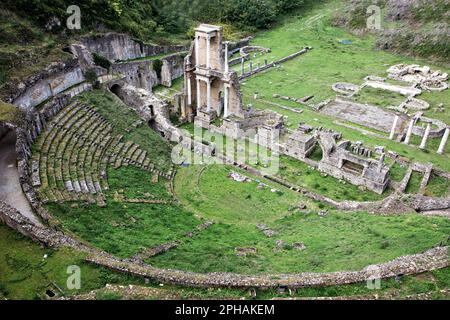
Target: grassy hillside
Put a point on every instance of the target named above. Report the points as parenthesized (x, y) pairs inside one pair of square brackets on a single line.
[(417, 27)]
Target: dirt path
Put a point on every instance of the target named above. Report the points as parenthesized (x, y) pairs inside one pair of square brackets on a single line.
[(10, 189)]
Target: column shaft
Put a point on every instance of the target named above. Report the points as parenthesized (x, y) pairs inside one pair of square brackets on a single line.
[(423, 144), (189, 90), (394, 126), (226, 57), (208, 93), (197, 51), (444, 140), (225, 102), (208, 53), (409, 132), (198, 95)]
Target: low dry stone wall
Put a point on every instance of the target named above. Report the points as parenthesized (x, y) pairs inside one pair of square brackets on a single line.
[(432, 259)]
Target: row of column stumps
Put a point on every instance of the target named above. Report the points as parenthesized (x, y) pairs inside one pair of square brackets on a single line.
[(425, 137), (250, 65)]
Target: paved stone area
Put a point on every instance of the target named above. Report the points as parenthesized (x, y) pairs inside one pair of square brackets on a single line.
[(366, 115)]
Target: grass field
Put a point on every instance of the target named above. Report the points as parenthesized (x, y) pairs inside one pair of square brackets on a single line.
[(438, 187), (124, 228), (338, 241), (26, 274)]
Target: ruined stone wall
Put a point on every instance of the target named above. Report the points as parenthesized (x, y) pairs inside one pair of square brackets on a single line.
[(36, 89), (116, 46), (172, 68), (142, 74), (138, 73)]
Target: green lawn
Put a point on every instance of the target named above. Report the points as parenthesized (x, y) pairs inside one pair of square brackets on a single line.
[(339, 241), (26, 274), (414, 182), (397, 172), (378, 97), (124, 228), (210, 191), (438, 187)]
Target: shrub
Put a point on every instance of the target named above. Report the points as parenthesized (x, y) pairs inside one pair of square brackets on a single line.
[(102, 61), (91, 76)]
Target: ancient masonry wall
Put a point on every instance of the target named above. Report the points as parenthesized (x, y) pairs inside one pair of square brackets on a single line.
[(116, 46), (142, 74), (53, 80)]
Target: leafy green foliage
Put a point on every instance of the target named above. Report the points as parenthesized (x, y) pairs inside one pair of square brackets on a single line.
[(101, 61), (91, 76)]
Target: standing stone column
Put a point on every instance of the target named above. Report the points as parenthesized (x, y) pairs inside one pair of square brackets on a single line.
[(208, 95), (423, 144), (444, 141), (208, 53), (394, 126), (242, 65), (198, 95), (409, 132), (251, 66), (225, 102), (197, 50), (189, 90), (226, 57)]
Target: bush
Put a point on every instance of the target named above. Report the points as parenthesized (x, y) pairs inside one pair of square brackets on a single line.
[(102, 61), (91, 76)]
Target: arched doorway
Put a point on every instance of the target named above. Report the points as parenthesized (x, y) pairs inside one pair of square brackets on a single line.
[(117, 90)]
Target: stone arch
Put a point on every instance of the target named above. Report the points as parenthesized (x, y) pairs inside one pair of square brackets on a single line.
[(116, 89)]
